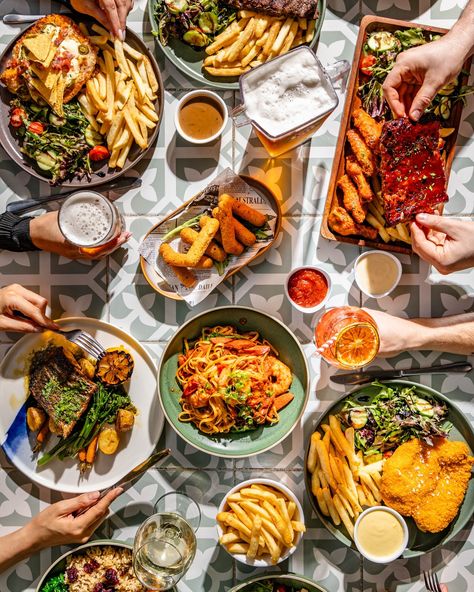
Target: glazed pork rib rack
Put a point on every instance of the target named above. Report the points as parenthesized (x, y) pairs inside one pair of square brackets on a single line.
[(413, 175)]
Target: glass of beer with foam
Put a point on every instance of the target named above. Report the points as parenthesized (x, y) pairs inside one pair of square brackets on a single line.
[(288, 98), (90, 221)]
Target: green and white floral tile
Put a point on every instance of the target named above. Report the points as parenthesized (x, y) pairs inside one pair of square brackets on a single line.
[(447, 11), (398, 9)]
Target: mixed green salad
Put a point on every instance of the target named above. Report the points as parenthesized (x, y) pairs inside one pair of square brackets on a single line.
[(391, 416), (62, 147), (269, 586), (196, 22), (56, 584), (379, 54)]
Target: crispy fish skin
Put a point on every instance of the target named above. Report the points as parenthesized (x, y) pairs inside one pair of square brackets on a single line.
[(51, 373)]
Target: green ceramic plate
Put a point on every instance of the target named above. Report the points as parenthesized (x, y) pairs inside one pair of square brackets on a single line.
[(288, 579), (239, 445), (189, 60), (419, 542)]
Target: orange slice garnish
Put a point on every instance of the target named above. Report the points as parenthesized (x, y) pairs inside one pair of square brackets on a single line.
[(357, 345)]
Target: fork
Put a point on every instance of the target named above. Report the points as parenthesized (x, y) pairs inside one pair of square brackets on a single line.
[(431, 581), (84, 340)]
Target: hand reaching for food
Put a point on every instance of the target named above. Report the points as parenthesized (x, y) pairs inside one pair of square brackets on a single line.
[(57, 525), (23, 311), (47, 236), (449, 251), (420, 72), (110, 13)]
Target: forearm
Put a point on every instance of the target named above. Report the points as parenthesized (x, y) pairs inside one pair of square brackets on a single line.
[(462, 32), (15, 233), (454, 334), (15, 547)]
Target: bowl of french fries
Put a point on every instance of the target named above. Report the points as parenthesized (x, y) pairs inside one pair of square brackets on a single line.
[(338, 480), (124, 99), (260, 522)]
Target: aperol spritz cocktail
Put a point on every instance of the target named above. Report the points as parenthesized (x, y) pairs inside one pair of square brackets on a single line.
[(347, 337)]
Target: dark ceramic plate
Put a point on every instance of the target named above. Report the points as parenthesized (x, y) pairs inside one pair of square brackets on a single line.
[(101, 173)]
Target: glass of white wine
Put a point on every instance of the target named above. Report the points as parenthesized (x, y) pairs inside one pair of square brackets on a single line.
[(165, 544)]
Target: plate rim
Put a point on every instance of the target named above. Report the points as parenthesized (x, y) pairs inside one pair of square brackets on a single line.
[(305, 386), (333, 530), (199, 77), (85, 488), (75, 183)]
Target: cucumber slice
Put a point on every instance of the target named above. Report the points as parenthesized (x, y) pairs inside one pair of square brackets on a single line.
[(56, 120), (176, 6), (423, 407), (45, 161), (208, 22), (92, 137), (382, 41), (196, 38), (35, 108)]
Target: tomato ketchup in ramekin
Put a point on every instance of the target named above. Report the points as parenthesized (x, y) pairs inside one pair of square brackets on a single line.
[(308, 288)]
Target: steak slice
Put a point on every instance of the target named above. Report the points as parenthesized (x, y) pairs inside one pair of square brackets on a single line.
[(295, 8), (57, 383), (413, 175)]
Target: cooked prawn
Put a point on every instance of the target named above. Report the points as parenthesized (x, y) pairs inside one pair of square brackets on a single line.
[(279, 375)]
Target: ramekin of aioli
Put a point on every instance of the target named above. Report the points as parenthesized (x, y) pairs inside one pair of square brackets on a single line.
[(380, 534), (377, 273)]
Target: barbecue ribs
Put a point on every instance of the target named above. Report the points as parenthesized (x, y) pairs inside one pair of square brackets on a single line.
[(413, 176)]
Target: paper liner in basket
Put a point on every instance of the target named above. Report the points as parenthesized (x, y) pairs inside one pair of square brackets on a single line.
[(226, 182)]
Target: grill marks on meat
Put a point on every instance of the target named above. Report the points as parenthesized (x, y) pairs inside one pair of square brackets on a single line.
[(413, 175), (294, 8), (59, 386)]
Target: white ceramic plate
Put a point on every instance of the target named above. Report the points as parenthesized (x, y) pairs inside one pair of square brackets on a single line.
[(135, 446)]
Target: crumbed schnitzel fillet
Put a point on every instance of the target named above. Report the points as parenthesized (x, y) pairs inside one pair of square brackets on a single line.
[(427, 482)]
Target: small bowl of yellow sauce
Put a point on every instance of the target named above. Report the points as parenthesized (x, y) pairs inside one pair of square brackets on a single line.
[(377, 273), (201, 117), (381, 534)]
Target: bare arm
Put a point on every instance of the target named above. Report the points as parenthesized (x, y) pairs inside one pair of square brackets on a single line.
[(454, 334)]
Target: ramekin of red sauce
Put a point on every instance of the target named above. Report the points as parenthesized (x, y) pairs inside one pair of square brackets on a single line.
[(308, 288)]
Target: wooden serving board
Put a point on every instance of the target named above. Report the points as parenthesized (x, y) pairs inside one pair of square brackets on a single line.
[(158, 284), (368, 25)]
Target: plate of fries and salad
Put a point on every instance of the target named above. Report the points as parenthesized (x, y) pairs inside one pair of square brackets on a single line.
[(214, 42), (78, 106), (399, 444)]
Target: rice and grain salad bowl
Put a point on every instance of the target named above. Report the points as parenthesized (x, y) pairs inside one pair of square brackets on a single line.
[(103, 568)]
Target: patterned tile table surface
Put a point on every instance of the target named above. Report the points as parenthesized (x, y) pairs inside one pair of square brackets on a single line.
[(115, 290)]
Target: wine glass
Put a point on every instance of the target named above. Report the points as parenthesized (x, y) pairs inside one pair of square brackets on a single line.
[(165, 544)]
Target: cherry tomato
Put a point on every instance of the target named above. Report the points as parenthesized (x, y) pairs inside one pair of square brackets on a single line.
[(388, 454), (281, 588), (366, 64), (17, 117), (36, 127), (98, 153)]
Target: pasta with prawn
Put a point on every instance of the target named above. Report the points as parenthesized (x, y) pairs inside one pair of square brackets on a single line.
[(231, 382)]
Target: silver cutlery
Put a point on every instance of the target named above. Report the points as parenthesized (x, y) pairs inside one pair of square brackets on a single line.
[(431, 581), (369, 375), (133, 474), (84, 340), (27, 205), (21, 19)]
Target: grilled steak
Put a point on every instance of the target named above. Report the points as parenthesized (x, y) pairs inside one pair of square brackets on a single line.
[(60, 388), (295, 8), (413, 176)]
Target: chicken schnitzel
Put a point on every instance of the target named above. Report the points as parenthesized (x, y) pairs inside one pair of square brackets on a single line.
[(426, 482)]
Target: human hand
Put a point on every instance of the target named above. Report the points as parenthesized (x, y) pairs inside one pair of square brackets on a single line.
[(46, 235), (16, 299), (451, 253), (110, 13), (396, 335), (58, 525), (443, 587), (419, 73)]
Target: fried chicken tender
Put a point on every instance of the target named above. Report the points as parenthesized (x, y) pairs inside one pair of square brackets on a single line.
[(368, 128), (427, 482), (351, 199), (341, 222), (363, 186), (364, 155)]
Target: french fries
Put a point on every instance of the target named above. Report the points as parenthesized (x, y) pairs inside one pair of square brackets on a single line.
[(260, 522), (119, 101), (340, 481), (219, 236), (253, 39)]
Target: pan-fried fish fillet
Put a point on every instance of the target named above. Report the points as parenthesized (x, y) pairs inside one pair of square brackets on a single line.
[(57, 383)]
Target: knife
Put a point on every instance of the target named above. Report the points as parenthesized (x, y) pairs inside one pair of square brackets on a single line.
[(362, 377), (27, 205), (132, 475)]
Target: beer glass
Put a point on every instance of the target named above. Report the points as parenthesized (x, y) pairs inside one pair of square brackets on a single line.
[(90, 221)]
